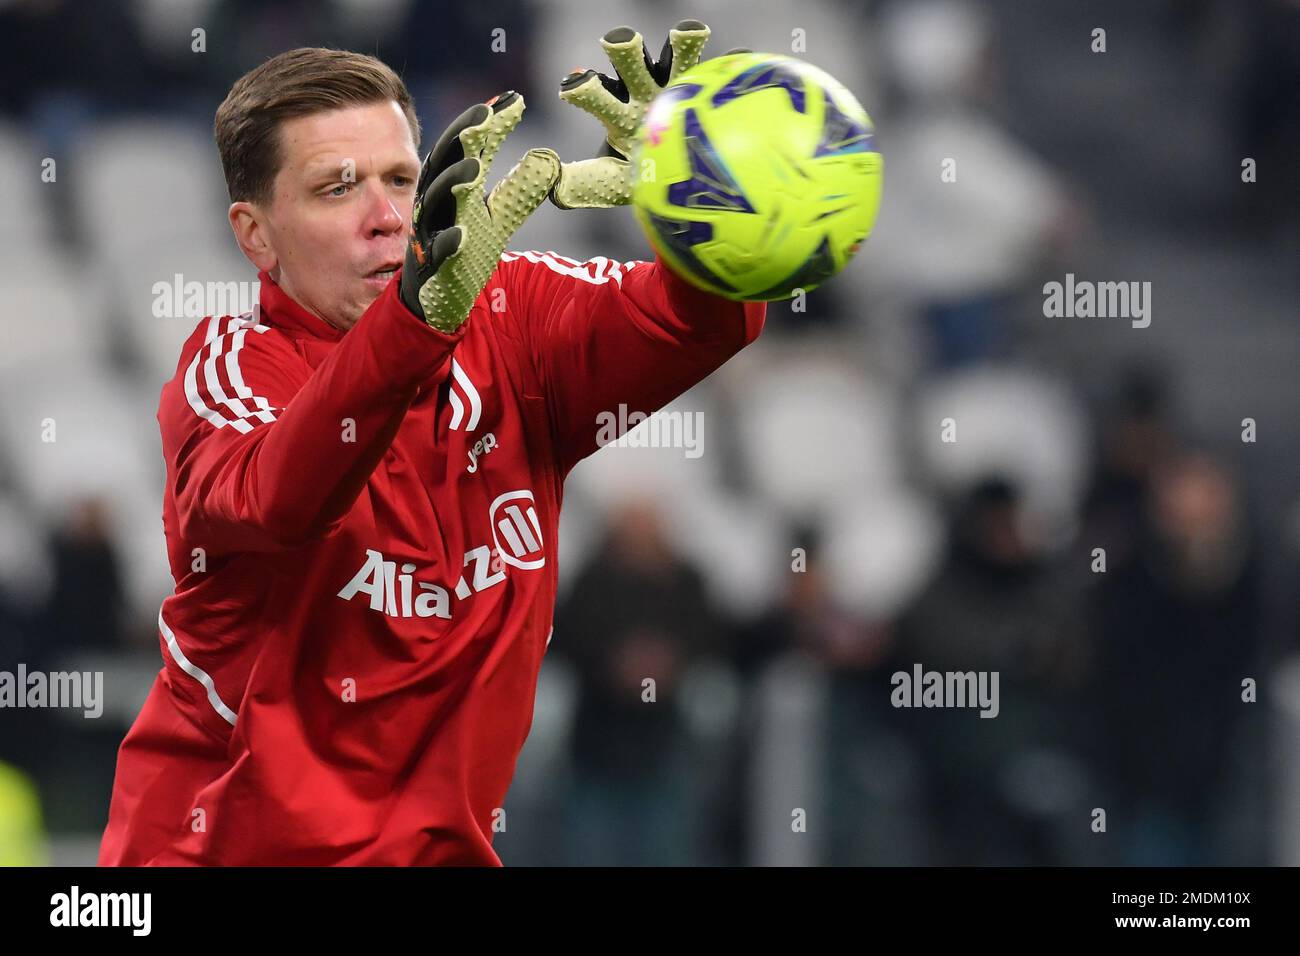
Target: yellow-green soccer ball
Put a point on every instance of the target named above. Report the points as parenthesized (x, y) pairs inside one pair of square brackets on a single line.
[(756, 175)]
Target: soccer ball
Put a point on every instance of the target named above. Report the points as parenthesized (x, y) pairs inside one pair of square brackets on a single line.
[(756, 175)]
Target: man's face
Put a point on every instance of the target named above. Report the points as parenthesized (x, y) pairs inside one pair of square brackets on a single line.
[(340, 210)]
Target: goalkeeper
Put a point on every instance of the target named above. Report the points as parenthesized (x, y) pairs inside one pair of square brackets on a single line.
[(364, 477)]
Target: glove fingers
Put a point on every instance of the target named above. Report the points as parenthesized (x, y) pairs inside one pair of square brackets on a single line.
[(588, 92), (524, 188), (436, 208), (430, 300), (686, 42), (593, 184), (449, 148), (615, 88), (445, 244), (661, 69), (485, 138), (627, 51)]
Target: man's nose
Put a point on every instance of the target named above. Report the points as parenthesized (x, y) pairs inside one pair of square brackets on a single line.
[(384, 216)]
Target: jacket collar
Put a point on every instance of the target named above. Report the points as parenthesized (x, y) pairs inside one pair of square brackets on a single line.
[(281, 311)]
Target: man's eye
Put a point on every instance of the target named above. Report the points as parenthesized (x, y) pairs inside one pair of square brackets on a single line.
[(401, 182), (335, 191)]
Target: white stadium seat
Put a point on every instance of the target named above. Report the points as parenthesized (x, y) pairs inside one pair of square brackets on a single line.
[(815, 429), (737, 542), (879, 551), (26, 213), (668, 468), (105, 444), (1011, 422), (45, 319), (148, 182), (144, 297)]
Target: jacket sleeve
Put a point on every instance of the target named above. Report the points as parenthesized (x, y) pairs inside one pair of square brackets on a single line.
[(265, 454), (602, 334)]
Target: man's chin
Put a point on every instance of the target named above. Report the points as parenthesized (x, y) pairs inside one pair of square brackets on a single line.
[(366, 297)]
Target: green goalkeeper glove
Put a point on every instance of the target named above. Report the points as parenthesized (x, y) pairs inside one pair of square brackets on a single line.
[(620, 104), (458, 235)]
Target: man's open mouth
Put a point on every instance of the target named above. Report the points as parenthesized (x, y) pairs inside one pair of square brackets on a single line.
[(386, 271)]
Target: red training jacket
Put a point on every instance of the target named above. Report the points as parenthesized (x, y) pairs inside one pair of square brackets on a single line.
[(362, 529)]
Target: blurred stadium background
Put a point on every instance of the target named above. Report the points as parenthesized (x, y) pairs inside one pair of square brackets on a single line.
[(1119, 690)]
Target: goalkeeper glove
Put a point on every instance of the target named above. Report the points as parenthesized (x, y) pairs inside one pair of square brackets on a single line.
[(457, 235), (620, 104)]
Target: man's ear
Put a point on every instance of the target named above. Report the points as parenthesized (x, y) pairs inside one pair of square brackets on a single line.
[(248, 222)]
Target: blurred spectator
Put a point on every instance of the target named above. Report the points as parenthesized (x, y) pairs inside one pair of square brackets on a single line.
[(1178, 624), (807, 618), (1137, 438), (1267, 116), (969, 211), (999, 604), (636, 612), (85, 610)]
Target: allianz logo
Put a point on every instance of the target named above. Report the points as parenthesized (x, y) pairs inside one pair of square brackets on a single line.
[(394, 590)]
